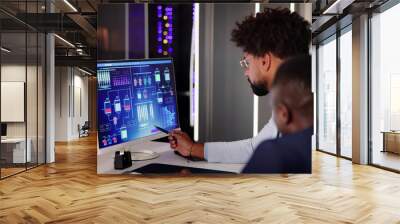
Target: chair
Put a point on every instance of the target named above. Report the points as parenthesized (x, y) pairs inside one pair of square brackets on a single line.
[(84, 130)]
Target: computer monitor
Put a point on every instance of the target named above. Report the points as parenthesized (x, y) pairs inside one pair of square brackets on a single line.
[(133, 96), (3, 130)]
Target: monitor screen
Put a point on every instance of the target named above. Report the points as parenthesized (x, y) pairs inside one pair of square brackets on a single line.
[(132, 97)]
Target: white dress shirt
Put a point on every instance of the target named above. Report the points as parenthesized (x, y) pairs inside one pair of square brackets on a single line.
[(239, 151)]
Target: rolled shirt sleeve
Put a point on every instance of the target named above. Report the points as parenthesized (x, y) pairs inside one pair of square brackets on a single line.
[(238, 151)]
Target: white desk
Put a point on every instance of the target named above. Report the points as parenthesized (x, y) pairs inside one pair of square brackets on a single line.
[(18, 150), (105, 159)]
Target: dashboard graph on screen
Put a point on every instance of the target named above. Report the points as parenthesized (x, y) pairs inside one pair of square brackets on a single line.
[(133, 96)]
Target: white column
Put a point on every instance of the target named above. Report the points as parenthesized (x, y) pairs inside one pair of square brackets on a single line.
[(50, 98), (360, 90), (50, 92)]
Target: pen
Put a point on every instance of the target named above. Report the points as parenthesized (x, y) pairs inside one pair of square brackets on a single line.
[(167, 132), (161, 129)]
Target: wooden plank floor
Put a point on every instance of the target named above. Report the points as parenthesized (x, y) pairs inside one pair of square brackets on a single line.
[(70, 191), (10, 171)]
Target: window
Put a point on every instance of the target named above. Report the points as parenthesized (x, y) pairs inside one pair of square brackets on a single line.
[(327, 96), (385, 89), (346, 92)]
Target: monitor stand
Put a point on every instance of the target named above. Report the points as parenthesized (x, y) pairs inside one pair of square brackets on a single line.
[(141, 155)]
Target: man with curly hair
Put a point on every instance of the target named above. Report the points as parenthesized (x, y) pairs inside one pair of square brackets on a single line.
[(267, 39)]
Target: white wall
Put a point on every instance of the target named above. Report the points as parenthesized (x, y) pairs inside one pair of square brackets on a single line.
[(12, 73), (71, 102), (79, 117), (16, 73), (61, 103)]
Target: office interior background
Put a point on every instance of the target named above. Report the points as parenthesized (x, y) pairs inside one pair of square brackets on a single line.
[(27, 57), (48, 80), (357, 111)]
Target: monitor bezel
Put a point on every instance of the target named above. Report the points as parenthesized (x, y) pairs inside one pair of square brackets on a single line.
[(145, 138)]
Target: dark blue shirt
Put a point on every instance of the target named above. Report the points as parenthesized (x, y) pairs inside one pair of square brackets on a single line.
[(289, 154)]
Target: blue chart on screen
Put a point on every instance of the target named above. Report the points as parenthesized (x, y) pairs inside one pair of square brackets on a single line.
[(133, 96)]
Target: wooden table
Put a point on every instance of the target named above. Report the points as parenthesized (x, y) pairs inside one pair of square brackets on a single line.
[(391, 141)]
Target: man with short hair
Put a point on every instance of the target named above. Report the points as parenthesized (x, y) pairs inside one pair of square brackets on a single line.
[(292, 102), (267, 39)]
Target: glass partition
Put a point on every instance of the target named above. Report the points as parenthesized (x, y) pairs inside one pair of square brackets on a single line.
[(13, 95), (22, 90)]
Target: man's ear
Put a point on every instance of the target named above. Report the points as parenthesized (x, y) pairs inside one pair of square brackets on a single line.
[(283, 114), (266, 61)]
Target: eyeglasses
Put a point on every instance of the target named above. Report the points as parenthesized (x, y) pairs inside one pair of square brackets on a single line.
[(244, 63)]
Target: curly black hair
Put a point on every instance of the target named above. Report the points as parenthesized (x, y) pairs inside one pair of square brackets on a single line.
[(278, 31)]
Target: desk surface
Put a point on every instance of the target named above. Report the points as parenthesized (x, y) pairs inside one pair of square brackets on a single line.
[(105, 160)]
